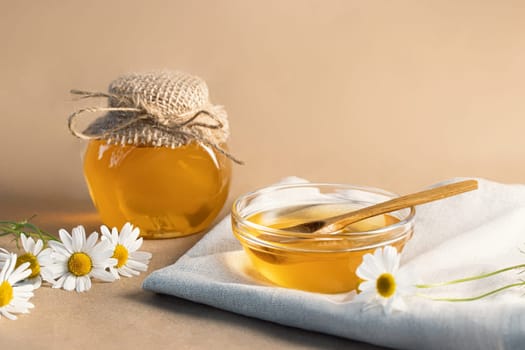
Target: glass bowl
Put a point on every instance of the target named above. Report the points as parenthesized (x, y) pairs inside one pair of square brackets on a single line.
[(323, 263)]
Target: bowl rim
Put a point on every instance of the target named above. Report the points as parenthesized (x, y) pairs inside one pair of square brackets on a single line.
[(236, 216)]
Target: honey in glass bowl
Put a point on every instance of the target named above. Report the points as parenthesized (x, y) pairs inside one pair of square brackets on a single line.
[(324, 263)]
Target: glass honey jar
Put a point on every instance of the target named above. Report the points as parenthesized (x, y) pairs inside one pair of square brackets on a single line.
[(159, 157)]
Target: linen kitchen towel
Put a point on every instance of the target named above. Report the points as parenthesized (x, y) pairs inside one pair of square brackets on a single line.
[(465, 235)]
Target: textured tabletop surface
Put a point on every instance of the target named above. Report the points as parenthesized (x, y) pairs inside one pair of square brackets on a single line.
[(121, 315)]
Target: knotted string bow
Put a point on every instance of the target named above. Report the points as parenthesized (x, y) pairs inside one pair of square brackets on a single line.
[(157, 109)]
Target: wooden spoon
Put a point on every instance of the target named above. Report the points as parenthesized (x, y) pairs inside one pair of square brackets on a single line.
[(339, 222)]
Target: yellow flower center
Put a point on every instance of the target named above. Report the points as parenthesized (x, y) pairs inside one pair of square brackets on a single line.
[(33, 263), (386, 285), (79, 264), (121, 254), (6, 293)]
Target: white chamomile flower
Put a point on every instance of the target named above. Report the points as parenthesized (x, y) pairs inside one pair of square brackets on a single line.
[(39, 260), (125, 246), (14, 297), (382, 283), (77, 259)]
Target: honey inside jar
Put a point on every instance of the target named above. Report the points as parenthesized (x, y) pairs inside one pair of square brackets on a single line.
[(318, 264), (166, 192)]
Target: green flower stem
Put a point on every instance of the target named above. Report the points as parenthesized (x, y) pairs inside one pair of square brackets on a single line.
[(473, 278), (476, 297), (16, 228)]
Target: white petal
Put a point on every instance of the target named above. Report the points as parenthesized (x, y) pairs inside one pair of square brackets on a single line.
[(20, 273), (38, 247), (60, 258), (4, 255), (133, 245), (105, 263), (365, 296), (390, 259), (405, 280), (122, 237), (20, 297), (79, 238), (87, 283), (60, 248), (70, 282), (47, 274), (101, 251), (141, 256), (36, 282), (373, 266), (367, 285), (379, 259), (91, 241), (135, 233), (399, 304), (30, 245), (58, 269), (25, 243), (45, 257), (8, 315), (104, 230), (114, 272), (7, 267), (23, 306), (80, 285), (114, 236), (127, 272), (364, 272), (132, 236), (111, 262), (387, 306), (60, 282), (102, 275), (23, 288), (83, 284), (10, 267), (66, 239), (137, 265)]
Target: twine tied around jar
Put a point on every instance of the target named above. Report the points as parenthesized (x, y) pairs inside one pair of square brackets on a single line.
[(168, 109)]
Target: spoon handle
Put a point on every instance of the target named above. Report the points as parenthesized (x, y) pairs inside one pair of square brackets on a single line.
[(339, 222)]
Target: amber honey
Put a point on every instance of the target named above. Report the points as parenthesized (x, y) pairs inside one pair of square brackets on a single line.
[(318, 263), (166, 192)]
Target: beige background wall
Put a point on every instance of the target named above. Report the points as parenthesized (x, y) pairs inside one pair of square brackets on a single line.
[(393, 94)]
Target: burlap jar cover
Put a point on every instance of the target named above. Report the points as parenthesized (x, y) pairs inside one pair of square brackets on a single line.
[(160, 109)]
